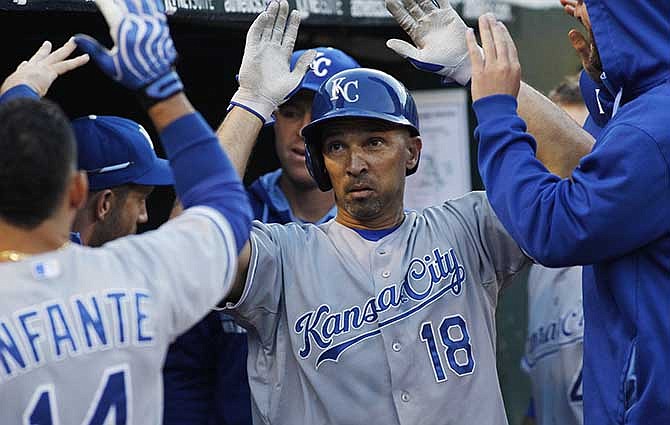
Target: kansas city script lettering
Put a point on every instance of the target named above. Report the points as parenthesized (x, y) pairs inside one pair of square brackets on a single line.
[(421, 282)]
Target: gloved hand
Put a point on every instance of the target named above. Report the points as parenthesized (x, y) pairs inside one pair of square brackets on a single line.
[(143, 54), (265, 77), (439, 35)]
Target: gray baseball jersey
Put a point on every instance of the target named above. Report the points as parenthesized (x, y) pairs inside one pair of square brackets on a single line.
[(84, 332), (343, 330), (554, 347)]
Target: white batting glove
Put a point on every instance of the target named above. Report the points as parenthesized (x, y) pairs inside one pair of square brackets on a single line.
[(439, 36), (265, 77)]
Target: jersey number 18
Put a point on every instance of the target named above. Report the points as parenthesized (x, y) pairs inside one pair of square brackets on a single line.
[(452, 344)]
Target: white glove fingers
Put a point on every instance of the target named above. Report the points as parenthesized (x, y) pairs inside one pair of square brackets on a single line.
[(271, 12), (280, 22), (413, 9), (291, 32), (427, 6), (41, 53), (257, 28), (401, 15), (70, 64), (112, 13), (444, 4), (487, 38), (303, 63), (402, 48)]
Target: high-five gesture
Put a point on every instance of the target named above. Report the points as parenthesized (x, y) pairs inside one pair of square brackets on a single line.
[(439, 36), (41, 70), (498, 71), (143, 54), (265, 77)]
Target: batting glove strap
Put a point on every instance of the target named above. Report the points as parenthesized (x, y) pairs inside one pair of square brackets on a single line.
[(164, 87), (257, 104)]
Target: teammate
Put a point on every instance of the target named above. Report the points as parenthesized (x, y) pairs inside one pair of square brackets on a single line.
[(379, 315), (84, 331), (553, 356), (205, 372), (612, 214), (116, 153), (122, 169)]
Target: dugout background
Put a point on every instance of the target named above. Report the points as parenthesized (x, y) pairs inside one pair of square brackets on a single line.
[(210, 54)]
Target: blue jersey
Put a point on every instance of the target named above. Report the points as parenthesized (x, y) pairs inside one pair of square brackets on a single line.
[(612, 214), (205, 372)]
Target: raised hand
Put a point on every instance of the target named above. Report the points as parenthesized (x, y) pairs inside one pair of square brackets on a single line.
[(265, 76), (41, 70), (498, 71), (569, 6), (143, 54), (439, 36)]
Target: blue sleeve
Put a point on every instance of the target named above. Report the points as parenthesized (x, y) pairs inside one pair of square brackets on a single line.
[(204, 175), (614, 202), (530, 413), (20, 91), (190, 374)]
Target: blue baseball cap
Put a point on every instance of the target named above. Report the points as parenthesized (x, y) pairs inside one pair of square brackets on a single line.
[(328, 62), (115, 151)]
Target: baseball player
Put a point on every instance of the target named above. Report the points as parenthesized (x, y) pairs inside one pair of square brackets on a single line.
[(554, 347), (84, 331), (122, 169), (116, 153), (205, 372), (611, 215), (380, 315)]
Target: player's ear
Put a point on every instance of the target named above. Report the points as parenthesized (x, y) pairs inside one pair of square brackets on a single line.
[(78, 190), (103, 204), (414, 145)]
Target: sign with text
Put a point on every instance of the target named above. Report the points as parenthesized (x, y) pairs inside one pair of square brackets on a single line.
[(444, 168)]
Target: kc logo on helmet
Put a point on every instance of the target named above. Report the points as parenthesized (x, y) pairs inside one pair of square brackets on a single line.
[(320, 65), (341, 88)]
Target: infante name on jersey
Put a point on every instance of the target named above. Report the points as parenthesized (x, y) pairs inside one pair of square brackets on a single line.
[(56, 329), (422, 285)]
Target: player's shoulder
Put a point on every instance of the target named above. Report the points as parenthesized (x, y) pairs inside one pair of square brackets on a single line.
[(302, 231), (469, 206)]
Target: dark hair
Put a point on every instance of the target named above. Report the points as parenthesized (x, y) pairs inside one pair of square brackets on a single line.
[(37, 154), (567, 92)]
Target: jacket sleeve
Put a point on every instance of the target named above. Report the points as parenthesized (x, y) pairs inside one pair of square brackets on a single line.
[(615, 201)]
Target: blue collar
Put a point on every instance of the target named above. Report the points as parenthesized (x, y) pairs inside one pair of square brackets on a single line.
[(375, 235)]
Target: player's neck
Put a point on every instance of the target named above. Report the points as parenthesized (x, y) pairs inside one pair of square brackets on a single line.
[(46, 237), (388, 218), (308, 204)]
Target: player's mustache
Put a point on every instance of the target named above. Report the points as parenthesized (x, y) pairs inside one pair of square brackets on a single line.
[(359, 184)]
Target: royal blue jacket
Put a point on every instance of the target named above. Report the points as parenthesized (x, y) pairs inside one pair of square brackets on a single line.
[(205, 372), (613, 213)]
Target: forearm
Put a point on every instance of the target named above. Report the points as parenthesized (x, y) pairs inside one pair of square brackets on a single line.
[(203, 173), (561, 142), (237, 136)]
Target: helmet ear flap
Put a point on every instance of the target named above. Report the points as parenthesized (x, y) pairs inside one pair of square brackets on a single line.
[(316, 166)]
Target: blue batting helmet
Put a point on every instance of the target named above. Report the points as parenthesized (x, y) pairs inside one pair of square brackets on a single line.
[(356, 93)]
